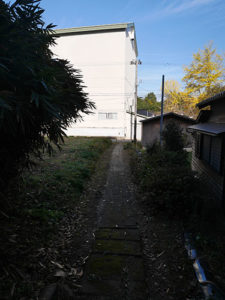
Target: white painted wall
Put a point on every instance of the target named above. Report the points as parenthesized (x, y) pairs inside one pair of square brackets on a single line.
[(129, 119), (104, 61)]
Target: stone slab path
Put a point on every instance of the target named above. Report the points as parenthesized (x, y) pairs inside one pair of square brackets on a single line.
[(115, 269)]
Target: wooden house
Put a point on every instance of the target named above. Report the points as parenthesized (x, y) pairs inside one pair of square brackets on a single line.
[(209, 145)]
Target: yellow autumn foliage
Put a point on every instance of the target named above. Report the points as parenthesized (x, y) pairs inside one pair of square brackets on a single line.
[(203, 78)]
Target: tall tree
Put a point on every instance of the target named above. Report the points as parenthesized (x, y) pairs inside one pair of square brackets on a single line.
[(39, 95), (177, 100), (172, 96), (205, 75), (203, 78), (149, 103)]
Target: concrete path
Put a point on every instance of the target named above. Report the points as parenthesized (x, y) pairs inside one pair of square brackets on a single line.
[(115, 268)]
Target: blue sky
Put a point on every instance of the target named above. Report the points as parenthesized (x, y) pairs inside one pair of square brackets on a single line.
[(168, 31)]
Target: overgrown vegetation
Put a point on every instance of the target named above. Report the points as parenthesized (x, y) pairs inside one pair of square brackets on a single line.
[(168, 193), (48, 197), (173, 137), (167, 181), (170, 190), (63, 177), (165, 177), (39, 95)]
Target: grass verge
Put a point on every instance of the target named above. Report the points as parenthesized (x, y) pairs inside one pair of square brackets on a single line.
[(36, 209)]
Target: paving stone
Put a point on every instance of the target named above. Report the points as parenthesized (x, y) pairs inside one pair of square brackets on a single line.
[(111, 267), (102, 287), (119, 234), (138, 291), (117, 247)]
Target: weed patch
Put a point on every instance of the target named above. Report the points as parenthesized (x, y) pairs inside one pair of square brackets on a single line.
[(173, 199), (45, 199), (166, 180)]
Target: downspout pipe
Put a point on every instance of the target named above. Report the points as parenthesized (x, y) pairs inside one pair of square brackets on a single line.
[(209, 288)]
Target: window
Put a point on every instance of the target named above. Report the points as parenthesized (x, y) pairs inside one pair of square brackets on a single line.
[(107, 116), (216, 153), (206, 148), (209, 149), (102, 116), (198, 145)]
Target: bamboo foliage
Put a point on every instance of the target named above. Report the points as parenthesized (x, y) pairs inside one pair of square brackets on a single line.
[(39, 95)]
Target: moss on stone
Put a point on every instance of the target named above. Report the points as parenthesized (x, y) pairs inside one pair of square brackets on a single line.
[(120, 234), (106, 267), (117, 247)]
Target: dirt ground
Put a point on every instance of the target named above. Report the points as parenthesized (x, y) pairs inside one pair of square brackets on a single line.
[(169, 272)]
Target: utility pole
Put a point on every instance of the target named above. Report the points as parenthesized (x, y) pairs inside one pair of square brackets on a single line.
[(161, 118), (135, 62), (131, 123)]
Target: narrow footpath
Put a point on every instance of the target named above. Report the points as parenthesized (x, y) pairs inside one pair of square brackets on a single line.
[(115, 268)]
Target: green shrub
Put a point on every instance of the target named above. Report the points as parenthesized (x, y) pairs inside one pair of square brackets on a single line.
[(167, 181), (44, 215), (173, 137)]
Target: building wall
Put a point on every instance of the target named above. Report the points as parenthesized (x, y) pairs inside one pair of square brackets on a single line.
[(217, 113), (151, 130), (212, 179), (129, 82), (103, 59), (130, 126)]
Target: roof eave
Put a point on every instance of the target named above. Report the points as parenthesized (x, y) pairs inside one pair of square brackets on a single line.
[(88, 29), (213, 129), (169, 114), (191, 130), (135, 39), (211, 100)]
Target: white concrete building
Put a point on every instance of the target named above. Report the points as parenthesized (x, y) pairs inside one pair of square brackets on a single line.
[(103, 54)]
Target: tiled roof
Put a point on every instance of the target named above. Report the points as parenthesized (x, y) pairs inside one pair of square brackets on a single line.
[(209, 128), (170, 114)]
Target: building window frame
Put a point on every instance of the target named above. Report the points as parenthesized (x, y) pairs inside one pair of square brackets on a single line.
[(204, 144), (107, 115)]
